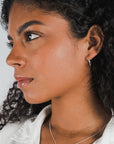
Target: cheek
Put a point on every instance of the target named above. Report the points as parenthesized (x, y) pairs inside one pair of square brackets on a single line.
[(58, 64), (56, 69)]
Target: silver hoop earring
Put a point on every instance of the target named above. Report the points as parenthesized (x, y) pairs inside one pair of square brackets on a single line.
[(89, 62)]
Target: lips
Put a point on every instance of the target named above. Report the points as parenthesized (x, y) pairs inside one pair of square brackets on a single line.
[(23, 81)]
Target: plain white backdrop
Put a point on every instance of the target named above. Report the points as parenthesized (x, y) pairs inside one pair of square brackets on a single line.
[(6, 72)]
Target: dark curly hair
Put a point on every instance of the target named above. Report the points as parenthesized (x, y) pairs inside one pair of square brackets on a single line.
[(81, 14)]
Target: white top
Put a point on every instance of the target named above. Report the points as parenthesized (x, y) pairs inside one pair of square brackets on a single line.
[(29, 132)]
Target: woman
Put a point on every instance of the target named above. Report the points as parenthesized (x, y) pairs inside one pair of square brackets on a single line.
[(62, 52)]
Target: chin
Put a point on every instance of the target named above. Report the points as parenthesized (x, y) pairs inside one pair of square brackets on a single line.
[(29, 99)]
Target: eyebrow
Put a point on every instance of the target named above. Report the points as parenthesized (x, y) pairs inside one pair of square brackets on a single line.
[(27, 24), (24, 26)]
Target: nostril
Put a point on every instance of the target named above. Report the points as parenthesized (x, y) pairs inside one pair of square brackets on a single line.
[(16, 60), (16, 64)]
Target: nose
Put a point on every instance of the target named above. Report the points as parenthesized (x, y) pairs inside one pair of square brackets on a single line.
[(15, 59)]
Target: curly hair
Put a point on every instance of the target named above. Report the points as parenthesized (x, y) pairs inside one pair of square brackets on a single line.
[(81, 14)]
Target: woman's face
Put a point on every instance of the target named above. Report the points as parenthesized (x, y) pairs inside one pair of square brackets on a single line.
[(47, 60)]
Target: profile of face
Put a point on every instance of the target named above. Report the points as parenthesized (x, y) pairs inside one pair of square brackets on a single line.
[(48, 61)]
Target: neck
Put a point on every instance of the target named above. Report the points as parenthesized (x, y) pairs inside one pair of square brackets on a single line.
[(78, 111)]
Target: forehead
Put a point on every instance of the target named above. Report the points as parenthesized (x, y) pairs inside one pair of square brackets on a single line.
[(20, 14)]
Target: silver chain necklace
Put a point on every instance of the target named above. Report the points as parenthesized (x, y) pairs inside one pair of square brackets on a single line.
[(77, 142)]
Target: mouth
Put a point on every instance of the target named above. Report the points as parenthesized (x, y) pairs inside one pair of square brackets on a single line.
[(23, 81)]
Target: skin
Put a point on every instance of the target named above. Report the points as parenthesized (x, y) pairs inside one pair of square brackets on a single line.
[(58, 64)]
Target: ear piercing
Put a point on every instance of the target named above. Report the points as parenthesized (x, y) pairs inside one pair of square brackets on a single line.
[(89, 62)]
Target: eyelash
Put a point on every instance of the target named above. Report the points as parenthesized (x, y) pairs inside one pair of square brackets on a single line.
[(10, 45), (26, 35)]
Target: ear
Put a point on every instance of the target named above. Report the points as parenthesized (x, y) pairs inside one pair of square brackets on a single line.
[(95, 39)]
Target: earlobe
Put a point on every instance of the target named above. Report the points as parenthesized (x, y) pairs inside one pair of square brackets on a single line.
[(95, 38)]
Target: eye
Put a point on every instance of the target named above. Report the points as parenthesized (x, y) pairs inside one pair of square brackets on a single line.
[(10, 45), (29, 36)]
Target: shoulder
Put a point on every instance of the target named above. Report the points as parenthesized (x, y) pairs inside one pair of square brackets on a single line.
[(108, 135), (8, 131), (24, 133)]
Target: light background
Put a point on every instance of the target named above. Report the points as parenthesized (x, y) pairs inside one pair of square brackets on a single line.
[(6, 81), (6, 72)]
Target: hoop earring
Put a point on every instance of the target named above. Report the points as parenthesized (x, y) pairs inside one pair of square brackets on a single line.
[(89, 62)]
